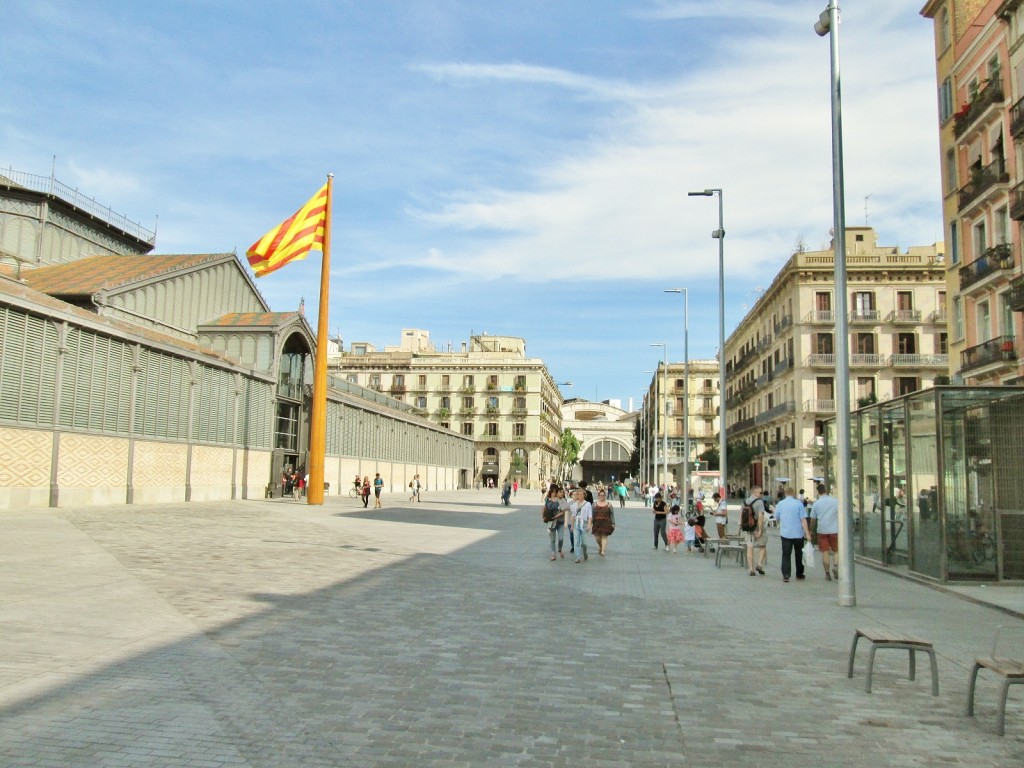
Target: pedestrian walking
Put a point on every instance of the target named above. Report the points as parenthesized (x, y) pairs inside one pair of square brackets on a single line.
[(793, 530), (825, 511), (660, 511), (506, 492), (581, 523), (603, 524), (754, 531), (554, 518), (365, 491), (378, 487), (721, 511)]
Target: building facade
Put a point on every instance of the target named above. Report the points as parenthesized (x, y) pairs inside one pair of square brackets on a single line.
[(607, 439), (979, 67), (488, 391), (663, 419), (780, 360)]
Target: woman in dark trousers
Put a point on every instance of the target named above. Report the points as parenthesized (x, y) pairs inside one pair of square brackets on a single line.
[(660, 520)]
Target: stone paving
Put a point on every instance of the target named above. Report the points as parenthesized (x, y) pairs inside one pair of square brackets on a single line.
[(271, 633)]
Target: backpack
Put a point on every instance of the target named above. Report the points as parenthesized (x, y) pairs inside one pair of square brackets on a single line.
[(551, 510), (748, 517)]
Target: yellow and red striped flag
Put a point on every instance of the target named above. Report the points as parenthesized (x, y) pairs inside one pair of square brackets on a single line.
[(293, 238)]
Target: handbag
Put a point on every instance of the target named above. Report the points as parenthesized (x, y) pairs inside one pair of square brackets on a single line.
[(809, 555)]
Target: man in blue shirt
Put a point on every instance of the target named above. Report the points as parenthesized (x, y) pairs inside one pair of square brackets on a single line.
[(792, 517)]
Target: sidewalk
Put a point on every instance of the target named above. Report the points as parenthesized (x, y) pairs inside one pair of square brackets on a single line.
[(272, 634)]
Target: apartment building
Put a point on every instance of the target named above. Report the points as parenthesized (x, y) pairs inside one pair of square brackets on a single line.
[(979, 67), (488, 390), (663, 417), (780, 360)]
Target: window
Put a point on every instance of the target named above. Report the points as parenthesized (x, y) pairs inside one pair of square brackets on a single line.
[(823, 343), (942, 344), (680, 384), (708, 384), (980, 238), (863, 303), (467, 402), (446, 402), (446, 381), (519, 402), (944, 37), (958, 318), (492, 381), (1002, 226), (865, 343), (492, 402), (422, 379), (374, 381), (823, 301), (946, 107), (421, 402), (995, 69), (954, 244), (446, 424), (904, 385), (906, 343), (824, 388), (467, 428), (352, 378), (520, 384), (984, 318), (467, 381), (950, 171), (398, 380), (519, 429), (1006, 316), (491, 429), (865, 387), (904, 300)]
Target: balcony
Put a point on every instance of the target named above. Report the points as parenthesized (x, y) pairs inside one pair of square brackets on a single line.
[(999, 258), (466, 413), (518, 412), (782, 366), (862, 359), (819, 316), (784, 323), (997, 350), (820, 361), (861, 315), (492, 410), (820, 406), (1017, 202), (1015, 296), (991, 94), (938, 317), (905, 360), (904, 316), (1017, 120), (982, 180), (398, 389), (784, 444)]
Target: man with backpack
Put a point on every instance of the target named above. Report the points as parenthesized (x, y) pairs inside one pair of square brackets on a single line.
[(753, 529)]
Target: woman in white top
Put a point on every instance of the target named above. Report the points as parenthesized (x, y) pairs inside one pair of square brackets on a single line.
[(721, 515), (582, 517)]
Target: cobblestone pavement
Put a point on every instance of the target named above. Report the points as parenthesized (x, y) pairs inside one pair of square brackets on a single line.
[(271, 633)]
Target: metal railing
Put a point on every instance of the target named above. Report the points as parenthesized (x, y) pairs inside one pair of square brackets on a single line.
[(992, 93), (904, 316), (50, 186), (998, 258), (983, 179), (999, 349), (821, 360), (919, 361), (820, 406)]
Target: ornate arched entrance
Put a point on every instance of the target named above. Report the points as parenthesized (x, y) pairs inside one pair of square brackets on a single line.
[(605, 461)]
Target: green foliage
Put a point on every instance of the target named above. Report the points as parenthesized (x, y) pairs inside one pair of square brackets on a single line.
[(568, 451)]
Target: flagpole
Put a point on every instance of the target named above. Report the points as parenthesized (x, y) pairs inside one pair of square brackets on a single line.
[(318, 413)]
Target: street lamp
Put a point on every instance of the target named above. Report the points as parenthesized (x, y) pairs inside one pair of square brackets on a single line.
[(686, 386), (657, 404), (828, 24), (719, 234)]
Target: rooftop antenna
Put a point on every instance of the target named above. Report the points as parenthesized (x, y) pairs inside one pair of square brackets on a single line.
[(866, 198)]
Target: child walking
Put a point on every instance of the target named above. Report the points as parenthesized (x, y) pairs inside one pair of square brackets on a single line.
[(690, 534), (675, 529)]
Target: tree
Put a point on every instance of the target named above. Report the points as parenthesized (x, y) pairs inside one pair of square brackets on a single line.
[(634, 458), (568, 451)]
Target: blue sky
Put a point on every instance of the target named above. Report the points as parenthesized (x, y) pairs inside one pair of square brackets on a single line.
[(516, 167)]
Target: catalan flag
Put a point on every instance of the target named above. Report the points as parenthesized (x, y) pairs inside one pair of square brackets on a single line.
[(293, 238)]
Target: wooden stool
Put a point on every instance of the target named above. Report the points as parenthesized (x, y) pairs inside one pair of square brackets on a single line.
[(881, 638), (1012, 672)]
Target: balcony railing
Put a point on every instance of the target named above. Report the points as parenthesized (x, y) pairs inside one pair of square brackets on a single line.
[(904, 316), (919, 361), (784, 322), (820, 406), (999, 349), (865, 315), (869, 359), (1017, 119), (982, 180), (995, 259), (819, 360), (1017, 202), (992, 93), (1015, 296), (782, 366), (938, 317), (820, 316)]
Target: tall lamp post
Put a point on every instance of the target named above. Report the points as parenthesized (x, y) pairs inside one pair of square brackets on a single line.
[(828, 24), (657, 405), (686, 387), (719, 234)]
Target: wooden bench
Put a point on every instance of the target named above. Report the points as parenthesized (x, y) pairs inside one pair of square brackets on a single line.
[(883, 638), (1012, 672)]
